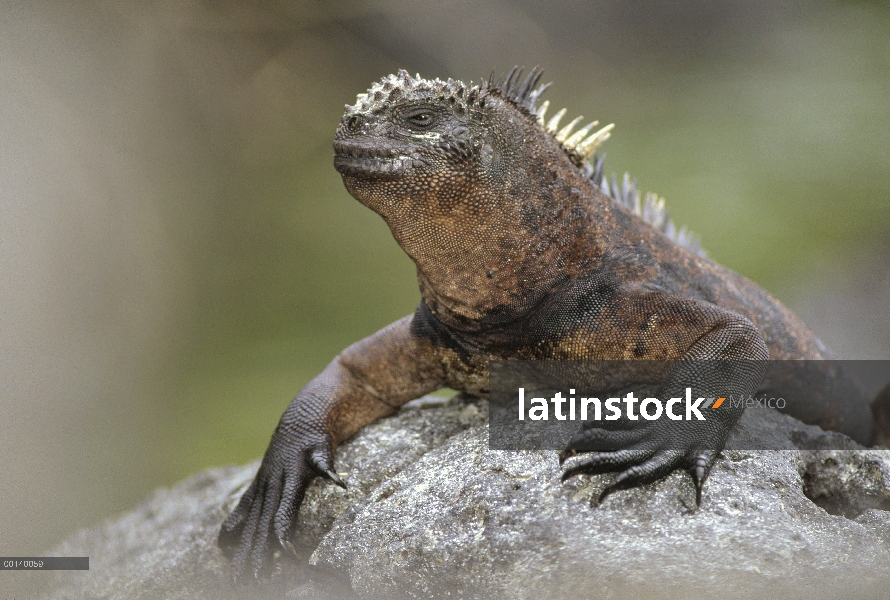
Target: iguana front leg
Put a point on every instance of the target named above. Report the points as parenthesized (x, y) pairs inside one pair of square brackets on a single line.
[(721, 354), (367, 381)]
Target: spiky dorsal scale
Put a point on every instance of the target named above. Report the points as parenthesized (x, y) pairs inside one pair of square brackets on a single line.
[(581, 147)]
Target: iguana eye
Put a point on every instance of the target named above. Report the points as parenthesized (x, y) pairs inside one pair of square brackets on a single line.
[(355, 123), (422, 119)]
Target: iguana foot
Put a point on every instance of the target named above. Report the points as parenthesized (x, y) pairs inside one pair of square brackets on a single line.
[(267, 512), (641, 455)]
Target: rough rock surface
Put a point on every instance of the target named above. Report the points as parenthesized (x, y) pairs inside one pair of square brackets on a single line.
[(432, 512)]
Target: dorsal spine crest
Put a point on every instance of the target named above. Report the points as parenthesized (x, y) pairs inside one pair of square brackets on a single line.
[(581, 147)]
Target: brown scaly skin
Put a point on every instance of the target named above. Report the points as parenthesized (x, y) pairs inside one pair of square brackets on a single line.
[(520, 256)]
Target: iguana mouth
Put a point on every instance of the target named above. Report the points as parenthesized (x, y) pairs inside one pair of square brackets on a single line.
[(358, 160)]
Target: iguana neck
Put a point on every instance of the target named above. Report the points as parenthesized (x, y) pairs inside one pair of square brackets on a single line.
[(484, 272)]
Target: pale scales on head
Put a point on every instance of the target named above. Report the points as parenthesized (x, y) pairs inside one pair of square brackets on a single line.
[(393, 88), (579, 145)]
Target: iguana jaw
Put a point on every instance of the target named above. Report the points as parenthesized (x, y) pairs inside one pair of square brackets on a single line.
[(359, 160)]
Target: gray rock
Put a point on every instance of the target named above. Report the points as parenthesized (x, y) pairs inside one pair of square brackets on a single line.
[(431, 512), (166, 547)]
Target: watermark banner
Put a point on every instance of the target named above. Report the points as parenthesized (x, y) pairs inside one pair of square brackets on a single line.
[(537, 405), (45, 563)]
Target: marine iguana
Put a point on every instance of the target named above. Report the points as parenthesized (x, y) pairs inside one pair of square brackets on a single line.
[(523, 251)]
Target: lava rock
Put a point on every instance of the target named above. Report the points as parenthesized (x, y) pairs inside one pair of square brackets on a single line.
[(432, 512)]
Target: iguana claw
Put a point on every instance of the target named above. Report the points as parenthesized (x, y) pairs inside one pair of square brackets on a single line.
[(335, 478)]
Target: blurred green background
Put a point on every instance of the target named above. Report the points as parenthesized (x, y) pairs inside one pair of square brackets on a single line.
[(179, 256)]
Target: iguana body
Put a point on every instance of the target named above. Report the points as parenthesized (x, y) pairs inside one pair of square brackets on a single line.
[(522, 252)]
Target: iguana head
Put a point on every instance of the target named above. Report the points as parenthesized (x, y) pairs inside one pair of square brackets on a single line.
[(446, 141), (409, 144), (405, 128)]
